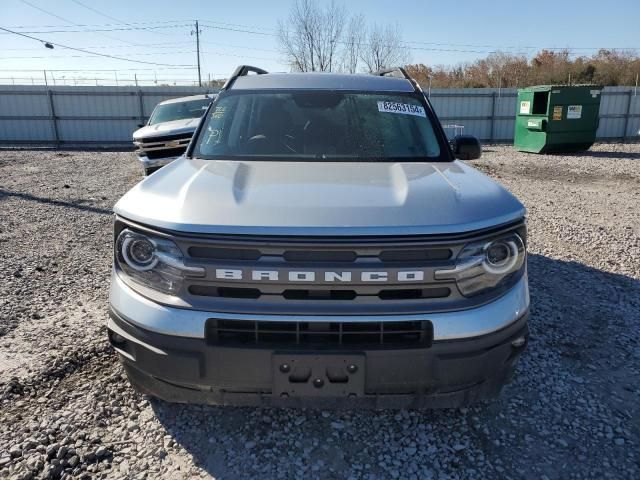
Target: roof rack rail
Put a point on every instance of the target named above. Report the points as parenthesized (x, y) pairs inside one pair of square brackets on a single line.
[(398, 72), (242, 71), (389, 71)]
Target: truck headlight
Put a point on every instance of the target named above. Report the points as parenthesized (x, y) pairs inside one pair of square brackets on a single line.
[(152, 261), (486, 265)]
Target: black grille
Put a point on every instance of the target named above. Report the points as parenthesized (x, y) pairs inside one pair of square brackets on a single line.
[(320, 256), (165, 152), (320, 335), (165, 138)]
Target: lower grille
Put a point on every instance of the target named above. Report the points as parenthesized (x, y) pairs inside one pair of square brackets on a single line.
[(164, 152), (320, 335)]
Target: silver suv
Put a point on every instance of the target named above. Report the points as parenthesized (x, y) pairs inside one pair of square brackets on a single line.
[(169, 130), (320, 244)]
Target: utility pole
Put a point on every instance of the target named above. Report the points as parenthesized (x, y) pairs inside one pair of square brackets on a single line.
[(197, 33)]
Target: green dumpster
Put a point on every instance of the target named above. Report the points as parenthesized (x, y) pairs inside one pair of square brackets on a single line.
[(557, 118)]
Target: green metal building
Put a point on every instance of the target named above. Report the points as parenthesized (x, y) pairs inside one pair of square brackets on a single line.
[(557, 118)]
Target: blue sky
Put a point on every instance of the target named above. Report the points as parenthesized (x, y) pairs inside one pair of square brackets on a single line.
[(437, 32)]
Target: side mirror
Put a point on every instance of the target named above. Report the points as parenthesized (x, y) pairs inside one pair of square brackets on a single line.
[(466, 147), (140, 125)]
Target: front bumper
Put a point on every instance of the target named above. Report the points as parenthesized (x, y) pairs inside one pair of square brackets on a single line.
[(166, 356)]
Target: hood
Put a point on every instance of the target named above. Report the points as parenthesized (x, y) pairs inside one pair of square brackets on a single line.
[(186, 125), (328, 198)]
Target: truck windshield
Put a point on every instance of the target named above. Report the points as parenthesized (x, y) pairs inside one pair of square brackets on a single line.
[(316, 125), (179, 110)]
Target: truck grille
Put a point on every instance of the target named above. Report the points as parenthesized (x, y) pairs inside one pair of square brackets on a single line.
[(242, 292), (163, 146), (319, 335)]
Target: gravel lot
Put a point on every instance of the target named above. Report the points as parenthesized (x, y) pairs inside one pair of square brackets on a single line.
[(573, 410)]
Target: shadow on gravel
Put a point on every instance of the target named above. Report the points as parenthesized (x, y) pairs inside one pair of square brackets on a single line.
[(601, 154), (577, 376), (58, 203)]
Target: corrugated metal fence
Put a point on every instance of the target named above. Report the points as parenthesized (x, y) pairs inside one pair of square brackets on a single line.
[(77, 116), (106, 116), (489, 113)]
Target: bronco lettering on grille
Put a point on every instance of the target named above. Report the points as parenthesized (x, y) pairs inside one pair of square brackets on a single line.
[(326, 276)]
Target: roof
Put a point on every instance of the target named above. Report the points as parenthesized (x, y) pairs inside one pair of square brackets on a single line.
[(210, 96), (322, 81)]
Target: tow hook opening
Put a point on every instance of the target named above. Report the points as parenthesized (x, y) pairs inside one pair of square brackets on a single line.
[(519, 342), (121, 344)]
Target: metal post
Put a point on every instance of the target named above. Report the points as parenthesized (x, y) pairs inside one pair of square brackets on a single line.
[(429, 95), (493, 115), (197, 32), (635, 92), (53, 79), (116, 75), (626, 117), (54, 121), (135, 76), (140, 104), (45, 78)]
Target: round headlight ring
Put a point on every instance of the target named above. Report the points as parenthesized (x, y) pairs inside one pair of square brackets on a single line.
[(505, 265), (139, 253)]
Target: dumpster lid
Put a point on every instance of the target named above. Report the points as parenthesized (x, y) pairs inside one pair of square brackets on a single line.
[(542, 88)]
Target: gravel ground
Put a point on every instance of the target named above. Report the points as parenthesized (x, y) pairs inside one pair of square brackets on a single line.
[(572, 411)]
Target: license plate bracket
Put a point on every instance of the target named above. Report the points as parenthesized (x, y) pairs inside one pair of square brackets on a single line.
[(318, 375)]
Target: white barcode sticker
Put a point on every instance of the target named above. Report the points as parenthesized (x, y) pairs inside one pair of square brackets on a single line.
[(403, 108)]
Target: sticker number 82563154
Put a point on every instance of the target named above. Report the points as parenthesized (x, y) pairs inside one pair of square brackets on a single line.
[(403, 108)]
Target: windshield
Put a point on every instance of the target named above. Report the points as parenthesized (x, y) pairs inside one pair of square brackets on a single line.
[(179, 110), (308, 125)]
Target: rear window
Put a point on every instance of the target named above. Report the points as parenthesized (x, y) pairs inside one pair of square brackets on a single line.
[(316, 125), (179, 111)]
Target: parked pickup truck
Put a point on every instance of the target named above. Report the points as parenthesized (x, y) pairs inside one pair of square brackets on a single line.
[(169, 130), (321, 243)]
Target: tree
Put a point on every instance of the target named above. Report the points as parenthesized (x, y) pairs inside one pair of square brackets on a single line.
[(384, 48), (316, 38), (353, 40), (311, 37)]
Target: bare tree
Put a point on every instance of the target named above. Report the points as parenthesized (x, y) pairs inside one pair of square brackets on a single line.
[(311, 37), (384, 48), (352, 44)]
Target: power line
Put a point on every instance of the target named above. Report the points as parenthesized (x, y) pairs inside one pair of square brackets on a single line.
[(124, 59), (155, 22), (95, 70), (68, 21), (107, 15), (87, 56), (239, 30), (89, 30)]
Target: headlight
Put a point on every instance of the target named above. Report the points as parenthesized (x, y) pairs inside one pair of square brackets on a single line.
[(153, 261), (486, 265)]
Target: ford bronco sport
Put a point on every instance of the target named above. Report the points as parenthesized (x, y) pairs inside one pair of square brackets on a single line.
[(167, 133), (320, 245)]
